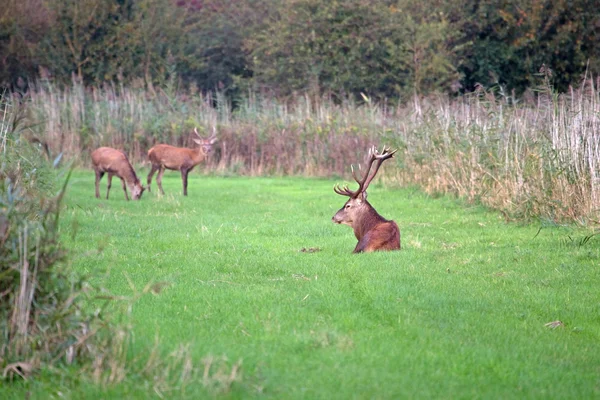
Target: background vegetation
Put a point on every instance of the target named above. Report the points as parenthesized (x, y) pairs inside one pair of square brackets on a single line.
[(536, 157), (494, 101), (384, 49)]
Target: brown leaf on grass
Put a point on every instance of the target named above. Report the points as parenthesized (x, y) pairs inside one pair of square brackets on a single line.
[(157, 287), (554, 324), (310, 249)]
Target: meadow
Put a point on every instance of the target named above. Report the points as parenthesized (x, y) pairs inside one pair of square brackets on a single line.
[(260, 296)]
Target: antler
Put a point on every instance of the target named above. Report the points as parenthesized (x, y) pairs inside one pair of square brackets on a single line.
[(211, 139), (364, 182)]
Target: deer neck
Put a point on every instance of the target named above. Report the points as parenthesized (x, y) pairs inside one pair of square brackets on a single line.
[(366, 221), (130, 177), (198, 155)]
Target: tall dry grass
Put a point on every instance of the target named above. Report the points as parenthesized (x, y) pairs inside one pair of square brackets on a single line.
[(533, 157)]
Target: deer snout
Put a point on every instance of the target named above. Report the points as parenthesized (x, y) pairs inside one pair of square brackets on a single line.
[(338, 218)]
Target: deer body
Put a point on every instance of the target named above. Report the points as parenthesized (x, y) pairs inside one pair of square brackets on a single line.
[(115, 162), (164, 156), (372, 231)]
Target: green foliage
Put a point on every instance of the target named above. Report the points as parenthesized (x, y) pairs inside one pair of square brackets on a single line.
[(512, 40), (82, 38), (389, 49), (217, 42), (154, 34), (23, 24), (316, 46), (353, 47)]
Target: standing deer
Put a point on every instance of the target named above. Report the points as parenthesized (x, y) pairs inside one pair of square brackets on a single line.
[(372, 230), (115, 162), (178, 159)]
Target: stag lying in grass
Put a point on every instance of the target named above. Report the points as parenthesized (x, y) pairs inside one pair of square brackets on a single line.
[(372, 230), (163, 156), (115, 162)]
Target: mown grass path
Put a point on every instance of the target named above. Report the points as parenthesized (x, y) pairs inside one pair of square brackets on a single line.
[(460, 312)]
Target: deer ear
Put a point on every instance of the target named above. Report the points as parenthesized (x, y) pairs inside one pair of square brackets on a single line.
[(197, 141)]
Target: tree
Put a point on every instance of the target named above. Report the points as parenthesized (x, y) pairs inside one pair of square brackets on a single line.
[(22, 24), (510, 40), (354, 47), (151, 41), (81, 37)]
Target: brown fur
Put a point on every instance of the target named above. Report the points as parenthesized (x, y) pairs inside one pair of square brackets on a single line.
[(115, 162), (164, 156), (373, 232)]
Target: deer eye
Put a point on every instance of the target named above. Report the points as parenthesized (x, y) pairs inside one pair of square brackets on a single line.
[(347, 205)]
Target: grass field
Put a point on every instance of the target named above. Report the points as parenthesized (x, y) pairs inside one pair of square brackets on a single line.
[(460, 312)]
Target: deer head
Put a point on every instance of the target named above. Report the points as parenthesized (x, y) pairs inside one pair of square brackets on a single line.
[(357, 208), (205, 144), (137, 190)]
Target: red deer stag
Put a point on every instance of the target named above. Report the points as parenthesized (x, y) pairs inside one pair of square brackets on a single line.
[(372, 230), (115, 162), (178, 159)]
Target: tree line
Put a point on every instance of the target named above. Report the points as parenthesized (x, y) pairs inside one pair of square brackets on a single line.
[(344, 48)]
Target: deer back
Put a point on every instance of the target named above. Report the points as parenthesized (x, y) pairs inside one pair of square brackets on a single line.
[(107, 159)]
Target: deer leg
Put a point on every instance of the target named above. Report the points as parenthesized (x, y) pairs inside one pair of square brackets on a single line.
[(99, 175), (110, 175), (161, 171), (124, 189), (150, 175), (184, 178), (363, 243)]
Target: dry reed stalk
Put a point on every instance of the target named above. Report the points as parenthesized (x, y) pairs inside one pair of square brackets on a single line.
[(464, 146)]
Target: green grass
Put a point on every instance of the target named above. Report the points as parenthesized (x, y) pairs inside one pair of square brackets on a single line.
[(458, 313)]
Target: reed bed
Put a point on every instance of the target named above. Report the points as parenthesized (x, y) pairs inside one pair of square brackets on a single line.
[(537, 157)]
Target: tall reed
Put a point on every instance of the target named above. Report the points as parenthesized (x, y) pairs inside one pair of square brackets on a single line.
[(536, 157)]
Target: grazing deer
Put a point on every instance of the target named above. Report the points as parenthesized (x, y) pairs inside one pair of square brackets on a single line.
[(115, 162), (372, 230), (178, 159)]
